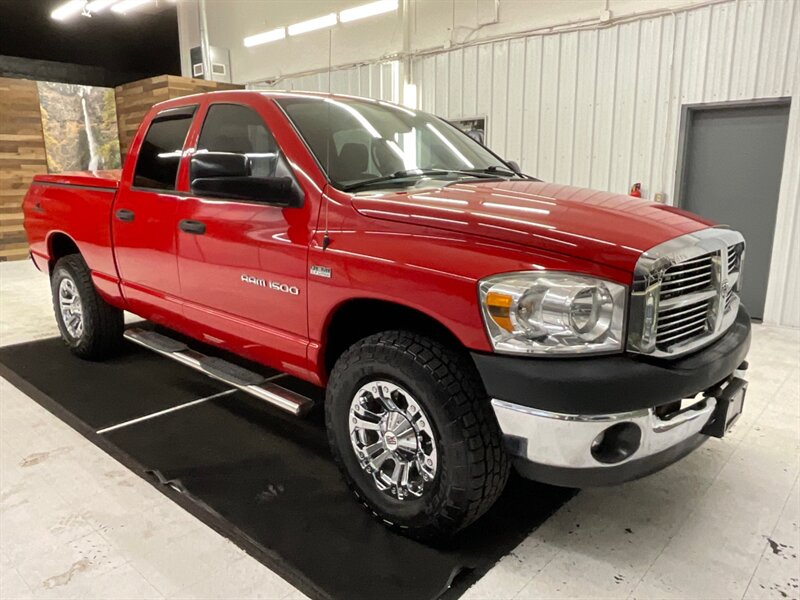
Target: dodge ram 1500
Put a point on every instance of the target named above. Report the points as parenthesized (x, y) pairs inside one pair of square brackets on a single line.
[(463, 317)]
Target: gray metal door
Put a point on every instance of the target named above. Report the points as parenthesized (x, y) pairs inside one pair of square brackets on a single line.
[(732, 174)]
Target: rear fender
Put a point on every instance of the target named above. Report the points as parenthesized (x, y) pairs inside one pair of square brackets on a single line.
[(60, 244)]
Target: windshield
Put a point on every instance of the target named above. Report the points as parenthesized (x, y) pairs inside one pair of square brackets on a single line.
[(362, 143)]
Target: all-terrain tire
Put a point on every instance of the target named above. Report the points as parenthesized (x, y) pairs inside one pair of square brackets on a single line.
[(103, 324), (472, 465)]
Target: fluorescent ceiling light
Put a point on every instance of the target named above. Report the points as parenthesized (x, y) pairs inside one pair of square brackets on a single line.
[(265, 37), (126, 5), (95, 6), (313, 24), (367, 10), (67, 10)]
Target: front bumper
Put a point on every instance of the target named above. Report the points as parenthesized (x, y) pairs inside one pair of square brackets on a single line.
[(553, 411)]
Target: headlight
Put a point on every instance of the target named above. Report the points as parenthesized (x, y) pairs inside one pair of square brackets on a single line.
[(553, 313)]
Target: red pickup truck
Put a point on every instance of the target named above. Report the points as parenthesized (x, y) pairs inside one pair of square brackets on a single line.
[(462, 316)]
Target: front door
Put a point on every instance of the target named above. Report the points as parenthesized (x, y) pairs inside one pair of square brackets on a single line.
[(732, 175), (144, 222), (243, 263)]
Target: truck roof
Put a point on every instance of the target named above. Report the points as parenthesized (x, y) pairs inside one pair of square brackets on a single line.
[(268, 93)]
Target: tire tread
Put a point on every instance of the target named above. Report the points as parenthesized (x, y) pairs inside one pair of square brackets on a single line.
[(103, 323)]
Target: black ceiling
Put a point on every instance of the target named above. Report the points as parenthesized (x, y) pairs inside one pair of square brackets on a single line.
[(137, 43)]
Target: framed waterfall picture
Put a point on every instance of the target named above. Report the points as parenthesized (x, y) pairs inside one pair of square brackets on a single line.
[(80, 127)]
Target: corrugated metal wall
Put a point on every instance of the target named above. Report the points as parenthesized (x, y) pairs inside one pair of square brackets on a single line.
[(377, 80), (601, 108)]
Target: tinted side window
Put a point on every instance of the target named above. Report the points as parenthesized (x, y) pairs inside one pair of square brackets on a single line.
[(238, 129), (160, 154)]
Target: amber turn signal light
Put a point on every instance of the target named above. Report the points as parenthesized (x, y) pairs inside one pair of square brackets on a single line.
[(500, 309)]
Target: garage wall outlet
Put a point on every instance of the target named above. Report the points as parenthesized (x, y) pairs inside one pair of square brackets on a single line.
[(605, 16), (660, 197)]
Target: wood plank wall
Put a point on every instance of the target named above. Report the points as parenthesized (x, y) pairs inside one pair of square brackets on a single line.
[(135, 99), (22, 156)]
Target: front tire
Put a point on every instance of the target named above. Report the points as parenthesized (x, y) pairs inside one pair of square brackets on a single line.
[(414, 435), (90, 327)]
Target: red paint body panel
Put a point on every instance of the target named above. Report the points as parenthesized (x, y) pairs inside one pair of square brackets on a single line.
[(422, 248), (430, 269), (102, 179), (81, 214), (612, 229)]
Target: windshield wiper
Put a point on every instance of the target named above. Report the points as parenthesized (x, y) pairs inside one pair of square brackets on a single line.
[(418, 173), (495, 170)]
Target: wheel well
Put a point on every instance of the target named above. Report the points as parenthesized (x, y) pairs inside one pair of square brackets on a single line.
[(358, 319), (59, 246)]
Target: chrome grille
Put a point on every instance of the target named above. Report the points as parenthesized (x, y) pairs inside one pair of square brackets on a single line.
[(682, 314), (730, 296), (735, 254), (685, 293), (676, 324), (687, 277)]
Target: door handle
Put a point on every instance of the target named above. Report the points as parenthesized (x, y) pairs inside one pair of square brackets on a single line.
[(189, 226), (123, 214)]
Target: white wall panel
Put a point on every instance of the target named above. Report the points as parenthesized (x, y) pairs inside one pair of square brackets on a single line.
[(602, 108), (565, 108), (377, 80), (515, 104), (548, 108), (483, 83), (531, 101), (585, 87), (469, 100), (498, 88)]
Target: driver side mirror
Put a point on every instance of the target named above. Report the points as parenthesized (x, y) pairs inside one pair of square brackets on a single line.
[(228, 175), (514, 166)]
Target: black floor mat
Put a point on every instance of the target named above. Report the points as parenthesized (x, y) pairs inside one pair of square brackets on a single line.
[(264, 479)]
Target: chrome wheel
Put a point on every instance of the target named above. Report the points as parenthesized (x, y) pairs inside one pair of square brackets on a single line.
[(69, 303), (393, 439)]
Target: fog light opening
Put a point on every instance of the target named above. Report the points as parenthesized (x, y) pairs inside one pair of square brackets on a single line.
[(616, 443)]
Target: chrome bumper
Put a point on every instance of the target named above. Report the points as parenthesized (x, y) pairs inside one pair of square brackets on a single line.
[(567, 441), (585, 450)]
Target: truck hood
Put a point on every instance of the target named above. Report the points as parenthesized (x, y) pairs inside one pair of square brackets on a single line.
[(611, 229)]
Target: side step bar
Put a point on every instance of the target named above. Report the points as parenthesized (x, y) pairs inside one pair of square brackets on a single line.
[(222, 370)]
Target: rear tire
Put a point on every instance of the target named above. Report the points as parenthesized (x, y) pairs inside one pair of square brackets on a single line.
[(90, 327), (453, 470)]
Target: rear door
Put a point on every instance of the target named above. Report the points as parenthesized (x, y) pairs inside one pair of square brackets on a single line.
[(243, 263), (144, 219)]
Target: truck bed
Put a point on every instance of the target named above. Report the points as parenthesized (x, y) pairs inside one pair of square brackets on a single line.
[(74, 208)]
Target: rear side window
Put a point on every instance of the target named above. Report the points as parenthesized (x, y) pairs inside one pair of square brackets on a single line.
[(160, 154)]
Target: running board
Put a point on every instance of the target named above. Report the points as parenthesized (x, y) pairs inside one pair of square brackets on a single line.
[(222, 370)]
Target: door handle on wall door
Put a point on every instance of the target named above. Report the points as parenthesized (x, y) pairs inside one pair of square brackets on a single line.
[(123, 214), (189, 226)]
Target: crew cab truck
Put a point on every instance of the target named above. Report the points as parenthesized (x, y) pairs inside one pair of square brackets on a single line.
[(462, 317)]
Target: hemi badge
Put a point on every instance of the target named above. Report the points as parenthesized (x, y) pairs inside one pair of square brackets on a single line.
[(321, 271)]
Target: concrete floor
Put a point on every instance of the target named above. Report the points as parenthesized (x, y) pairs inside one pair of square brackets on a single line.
[(722, 523)]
